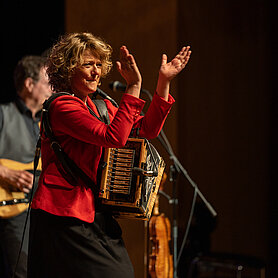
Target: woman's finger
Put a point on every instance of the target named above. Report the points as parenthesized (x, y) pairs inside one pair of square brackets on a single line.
[(164, 59)]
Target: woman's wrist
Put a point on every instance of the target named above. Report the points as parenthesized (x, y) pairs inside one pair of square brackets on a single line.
[(163, 87), (134, 89)]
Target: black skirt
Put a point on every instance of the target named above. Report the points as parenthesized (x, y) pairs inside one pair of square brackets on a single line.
[(65, 247)]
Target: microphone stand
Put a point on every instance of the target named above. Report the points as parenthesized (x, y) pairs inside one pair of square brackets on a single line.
[(175, 169)]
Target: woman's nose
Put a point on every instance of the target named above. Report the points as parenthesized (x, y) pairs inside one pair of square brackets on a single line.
[(94, 68)]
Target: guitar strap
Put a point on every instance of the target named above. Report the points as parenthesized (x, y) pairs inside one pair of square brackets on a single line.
[(67, 163)]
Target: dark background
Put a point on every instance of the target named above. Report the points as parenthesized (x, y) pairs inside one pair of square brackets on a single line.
[(27, 28), (223, 127)]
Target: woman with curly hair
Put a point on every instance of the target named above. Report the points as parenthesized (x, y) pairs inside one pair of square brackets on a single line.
[(69, 237)]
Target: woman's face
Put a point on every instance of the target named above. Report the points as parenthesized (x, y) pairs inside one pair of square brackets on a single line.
[(86, 77)]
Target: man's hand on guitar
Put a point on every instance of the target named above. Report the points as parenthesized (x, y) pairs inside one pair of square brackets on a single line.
[(19, 179)]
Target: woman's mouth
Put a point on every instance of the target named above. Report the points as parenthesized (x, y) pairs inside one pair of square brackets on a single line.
[(93, 79)]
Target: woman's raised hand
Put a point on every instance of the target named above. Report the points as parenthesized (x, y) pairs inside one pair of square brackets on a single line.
[(128, 69), (168, 70), (173, 68)]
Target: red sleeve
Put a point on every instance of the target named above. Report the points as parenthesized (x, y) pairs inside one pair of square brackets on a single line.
[(70, 116), (151, 124)]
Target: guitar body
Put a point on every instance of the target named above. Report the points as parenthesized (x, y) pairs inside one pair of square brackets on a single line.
[(13, 202)]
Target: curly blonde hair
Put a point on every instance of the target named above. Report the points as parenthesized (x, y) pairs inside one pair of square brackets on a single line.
[(67, 53)]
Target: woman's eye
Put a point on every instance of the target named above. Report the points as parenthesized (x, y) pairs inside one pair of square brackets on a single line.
[(87, 65)]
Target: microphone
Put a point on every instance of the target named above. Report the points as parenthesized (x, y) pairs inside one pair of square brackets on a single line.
[(117, 86)]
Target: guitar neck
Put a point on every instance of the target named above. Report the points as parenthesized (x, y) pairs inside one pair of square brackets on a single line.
[(15, 165)]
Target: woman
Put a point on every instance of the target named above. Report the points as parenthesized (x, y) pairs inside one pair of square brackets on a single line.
[(68, 238)]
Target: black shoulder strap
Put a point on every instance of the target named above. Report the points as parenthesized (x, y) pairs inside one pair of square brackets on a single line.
[(102, 110), (45, 115)]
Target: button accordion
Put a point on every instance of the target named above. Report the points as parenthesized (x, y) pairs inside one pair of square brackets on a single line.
[(131, 178)]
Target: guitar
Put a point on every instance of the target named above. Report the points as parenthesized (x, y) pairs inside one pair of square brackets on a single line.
[(13, 202)]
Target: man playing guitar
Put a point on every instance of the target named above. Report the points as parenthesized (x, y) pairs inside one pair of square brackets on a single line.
[(19, 131)]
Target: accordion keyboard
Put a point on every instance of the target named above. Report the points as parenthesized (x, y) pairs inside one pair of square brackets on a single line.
[(120, 166)]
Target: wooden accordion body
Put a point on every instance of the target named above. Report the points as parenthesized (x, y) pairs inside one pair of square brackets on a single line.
[(131, 178)]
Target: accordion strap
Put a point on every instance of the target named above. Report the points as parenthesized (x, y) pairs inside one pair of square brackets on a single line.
[(102, 110), (68, 164)]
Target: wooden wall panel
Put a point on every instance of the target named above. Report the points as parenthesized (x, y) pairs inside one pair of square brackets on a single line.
[(219, 126), (226, 118)]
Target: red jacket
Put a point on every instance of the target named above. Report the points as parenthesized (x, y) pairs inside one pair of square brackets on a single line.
[(82, 137)]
